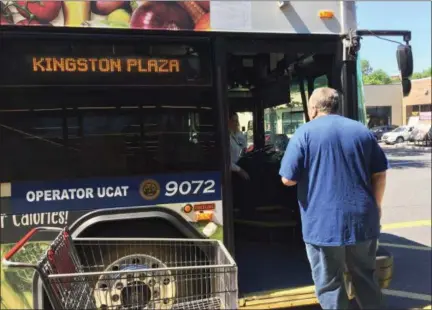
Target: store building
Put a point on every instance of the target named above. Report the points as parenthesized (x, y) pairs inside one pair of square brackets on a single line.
[(383, 104), (417, 106)]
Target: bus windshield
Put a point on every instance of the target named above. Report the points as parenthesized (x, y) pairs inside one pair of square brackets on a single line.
[(68, 126)]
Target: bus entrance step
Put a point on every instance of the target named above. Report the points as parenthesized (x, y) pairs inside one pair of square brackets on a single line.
[(267, 224)]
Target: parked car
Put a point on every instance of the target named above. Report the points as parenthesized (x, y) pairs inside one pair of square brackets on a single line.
[(378, 131), (397, 135), (429, 137), (413, 134), (420, 134)]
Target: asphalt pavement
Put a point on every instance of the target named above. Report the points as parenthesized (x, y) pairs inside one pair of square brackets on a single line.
[(407, 226)]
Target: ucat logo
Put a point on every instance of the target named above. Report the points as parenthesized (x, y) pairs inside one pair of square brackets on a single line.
[(150, 189)]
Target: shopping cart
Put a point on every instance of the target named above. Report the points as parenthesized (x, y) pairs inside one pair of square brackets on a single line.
[(133, 273)]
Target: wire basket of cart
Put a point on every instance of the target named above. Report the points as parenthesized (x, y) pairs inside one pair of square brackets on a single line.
[(133, 273)]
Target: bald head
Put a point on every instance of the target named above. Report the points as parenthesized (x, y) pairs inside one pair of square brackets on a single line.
[(324, 100)]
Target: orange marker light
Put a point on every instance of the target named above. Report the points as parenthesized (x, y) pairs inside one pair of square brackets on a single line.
[(326, 14), (203, 216), (187, 208)]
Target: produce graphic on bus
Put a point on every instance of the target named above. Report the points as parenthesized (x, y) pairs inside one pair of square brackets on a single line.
[(17, 284), (147, 15)]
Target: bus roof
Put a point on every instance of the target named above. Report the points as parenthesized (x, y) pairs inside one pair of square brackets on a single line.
[(264, 16)]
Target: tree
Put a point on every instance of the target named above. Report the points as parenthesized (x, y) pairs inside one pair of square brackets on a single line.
[(377, 77), (395, 79), (374, 77), (424, 74), (366, 67), (295, 104)]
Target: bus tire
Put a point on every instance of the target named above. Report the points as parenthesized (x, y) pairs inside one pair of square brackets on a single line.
[(179, 288)]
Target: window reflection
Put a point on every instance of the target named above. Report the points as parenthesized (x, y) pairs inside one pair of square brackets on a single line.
[(378, 116), (106, 141)]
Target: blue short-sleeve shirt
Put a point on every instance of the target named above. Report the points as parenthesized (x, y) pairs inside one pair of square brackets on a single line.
[(332, 159)]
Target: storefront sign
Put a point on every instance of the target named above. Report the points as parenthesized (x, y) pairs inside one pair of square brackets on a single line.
[(425, 116)]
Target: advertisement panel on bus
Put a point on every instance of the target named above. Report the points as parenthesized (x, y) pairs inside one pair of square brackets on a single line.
[(323, 17), (149, 15), (196, 197)]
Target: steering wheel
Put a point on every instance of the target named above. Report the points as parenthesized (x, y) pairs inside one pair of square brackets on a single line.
[(264, 149), (267, 148)]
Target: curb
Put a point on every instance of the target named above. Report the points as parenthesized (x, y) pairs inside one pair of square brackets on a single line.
[(407, 147)]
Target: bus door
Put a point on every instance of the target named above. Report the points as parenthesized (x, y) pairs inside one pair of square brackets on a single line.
[(269, 81)]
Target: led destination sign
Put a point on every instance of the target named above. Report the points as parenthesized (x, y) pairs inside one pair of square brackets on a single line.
[(105, 65), (57, 62)]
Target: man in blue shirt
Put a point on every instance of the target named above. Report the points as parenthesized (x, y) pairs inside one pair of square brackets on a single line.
[(340, 172)]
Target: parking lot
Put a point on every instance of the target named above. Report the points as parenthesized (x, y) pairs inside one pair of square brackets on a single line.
[(407, 226)]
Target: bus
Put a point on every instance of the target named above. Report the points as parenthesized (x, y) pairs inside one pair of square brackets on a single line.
[(113, 122)]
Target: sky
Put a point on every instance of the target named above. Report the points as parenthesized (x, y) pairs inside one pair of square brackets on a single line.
[(395, 15)]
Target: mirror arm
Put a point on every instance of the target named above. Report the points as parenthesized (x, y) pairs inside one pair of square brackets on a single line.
[(404, 52), (405, 34)]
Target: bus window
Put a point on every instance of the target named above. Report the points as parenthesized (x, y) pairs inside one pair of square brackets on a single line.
[(101, 107), (321, 81), (292, 119), (67, 142), (282, 120), (246, 126)]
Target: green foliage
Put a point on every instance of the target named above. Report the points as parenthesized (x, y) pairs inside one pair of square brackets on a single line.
[(377, 77), (321, 81), (294, 104), (374, 77), (366, 67), (424, 74), (295, 100)]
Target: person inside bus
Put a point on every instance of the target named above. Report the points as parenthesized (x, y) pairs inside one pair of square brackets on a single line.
[(340, 172), (237, 145)]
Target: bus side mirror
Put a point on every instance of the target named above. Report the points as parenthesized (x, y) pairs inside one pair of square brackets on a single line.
[(406, 86), (405, 61), (406, 64)]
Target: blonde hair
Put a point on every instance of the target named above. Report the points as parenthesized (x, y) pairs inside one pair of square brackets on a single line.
[(325, 99)]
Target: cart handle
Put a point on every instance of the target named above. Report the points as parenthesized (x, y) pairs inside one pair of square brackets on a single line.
[(6, 260)]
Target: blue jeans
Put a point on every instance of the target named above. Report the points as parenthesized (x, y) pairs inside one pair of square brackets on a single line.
[(328, 266)]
